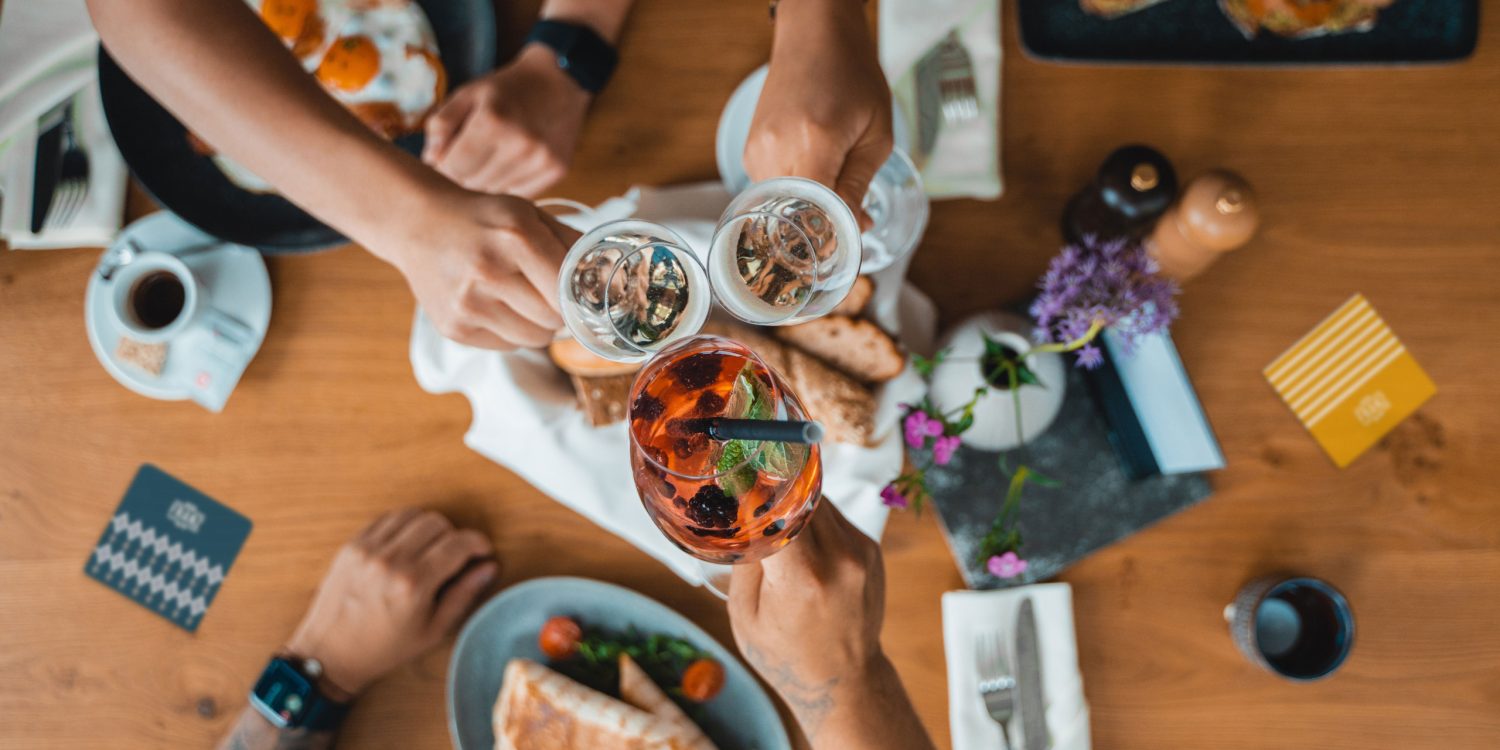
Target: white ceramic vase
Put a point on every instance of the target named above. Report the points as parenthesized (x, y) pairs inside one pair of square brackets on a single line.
[(954, 382)]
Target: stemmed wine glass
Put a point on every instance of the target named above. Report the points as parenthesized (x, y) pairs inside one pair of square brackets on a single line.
[(786, 251), (629, 288), (722, 495)]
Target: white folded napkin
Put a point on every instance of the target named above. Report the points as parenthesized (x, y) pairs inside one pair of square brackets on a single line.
[(965, 162), (971, 615), (526, 417), (48, 51)]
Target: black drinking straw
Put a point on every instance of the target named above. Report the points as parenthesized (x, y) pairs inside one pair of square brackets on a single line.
[(777, 431)]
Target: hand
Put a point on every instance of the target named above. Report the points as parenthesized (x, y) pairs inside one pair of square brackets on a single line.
[(808, 618), (483, 267), (392, 593), (825, 112), (513, 131)]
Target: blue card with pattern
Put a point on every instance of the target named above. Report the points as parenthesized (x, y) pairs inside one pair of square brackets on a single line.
[(168, 547)]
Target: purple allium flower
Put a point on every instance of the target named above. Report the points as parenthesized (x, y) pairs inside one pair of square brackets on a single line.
[(918, 427), (1090, 357), (1008, 565), (893, 498), (1113, 282), (943, 448)]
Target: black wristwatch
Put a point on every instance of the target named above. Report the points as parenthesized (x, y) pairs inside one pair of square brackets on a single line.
[(287, 695), (587, 58)]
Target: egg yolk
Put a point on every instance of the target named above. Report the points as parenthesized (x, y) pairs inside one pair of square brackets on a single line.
[(351, 63), (287, 17)]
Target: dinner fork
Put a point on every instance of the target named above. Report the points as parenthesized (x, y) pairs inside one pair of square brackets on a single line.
[(956, 88), (997, 686), (72, 190)]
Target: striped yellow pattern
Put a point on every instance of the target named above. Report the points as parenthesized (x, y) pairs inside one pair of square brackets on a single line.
[(1349, 380)]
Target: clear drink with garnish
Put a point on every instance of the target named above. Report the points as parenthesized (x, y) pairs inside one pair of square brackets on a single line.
[(630, 288), (787, 250), (720, 500)]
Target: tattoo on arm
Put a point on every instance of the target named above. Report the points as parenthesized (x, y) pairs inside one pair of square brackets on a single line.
[(811, 703), (252, 732)]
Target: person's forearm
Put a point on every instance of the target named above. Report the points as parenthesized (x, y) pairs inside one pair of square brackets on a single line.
[(868, 710), (251, 731), (605, 17), (220, 71)]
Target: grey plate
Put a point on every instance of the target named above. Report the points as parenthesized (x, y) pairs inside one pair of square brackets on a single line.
[(740, 718)]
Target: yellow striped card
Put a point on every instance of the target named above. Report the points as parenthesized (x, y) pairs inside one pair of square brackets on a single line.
[(1350, 380)]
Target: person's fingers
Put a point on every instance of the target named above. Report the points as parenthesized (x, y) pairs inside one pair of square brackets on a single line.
[(540, 258), (383, 528), (802, 557), (864, 160), (565, 234), (472, 147), (496, 315), (479, 338), (412, 539), (444, 558), (744, 591), (460, 596), (443, 125), (523, 298)]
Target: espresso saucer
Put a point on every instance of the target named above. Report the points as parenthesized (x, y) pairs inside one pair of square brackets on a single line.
[(734, 131), (237, 283)]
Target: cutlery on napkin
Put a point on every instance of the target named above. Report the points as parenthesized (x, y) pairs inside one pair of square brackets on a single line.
[(969, 616)]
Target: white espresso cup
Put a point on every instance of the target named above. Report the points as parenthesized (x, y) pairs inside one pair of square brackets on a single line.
[(156, 297)]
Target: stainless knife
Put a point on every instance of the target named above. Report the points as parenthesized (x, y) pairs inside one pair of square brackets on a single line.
[(1029, 680)]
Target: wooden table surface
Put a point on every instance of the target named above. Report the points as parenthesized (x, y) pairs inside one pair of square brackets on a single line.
[(1385, 182)]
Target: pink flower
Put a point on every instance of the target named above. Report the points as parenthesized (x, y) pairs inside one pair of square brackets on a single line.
[(893, 498), (1008, 565), (918, 427), (943, 448)]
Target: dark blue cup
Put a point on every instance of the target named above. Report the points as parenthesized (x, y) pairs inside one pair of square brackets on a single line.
[(1300, 628)]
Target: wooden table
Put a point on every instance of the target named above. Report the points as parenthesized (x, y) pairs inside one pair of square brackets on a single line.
[(1385, 182)]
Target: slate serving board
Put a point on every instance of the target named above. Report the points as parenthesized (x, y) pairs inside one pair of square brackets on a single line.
[(1196, 31), (1096, 504)]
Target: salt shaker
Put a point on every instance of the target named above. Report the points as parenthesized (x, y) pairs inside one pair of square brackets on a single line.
[(1132, 189), (1217, 213)]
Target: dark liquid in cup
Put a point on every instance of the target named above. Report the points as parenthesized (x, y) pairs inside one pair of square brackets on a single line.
[(1302, 631), (157, 299)]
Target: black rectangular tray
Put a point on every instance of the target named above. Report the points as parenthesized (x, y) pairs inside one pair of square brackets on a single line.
[(1197, 31)]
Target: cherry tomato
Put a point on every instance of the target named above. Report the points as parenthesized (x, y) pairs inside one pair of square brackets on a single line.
[(702, 680), (559, 637)]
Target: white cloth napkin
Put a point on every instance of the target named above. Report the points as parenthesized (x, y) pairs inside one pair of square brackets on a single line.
[(965, 162), (970, 615), (526, 417), (48, 52)]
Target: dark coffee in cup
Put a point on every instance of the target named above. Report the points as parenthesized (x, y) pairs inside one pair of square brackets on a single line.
[(1300, 628), (157, 299)]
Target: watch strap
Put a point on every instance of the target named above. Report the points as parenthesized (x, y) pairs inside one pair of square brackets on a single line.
[(324, 714), (586, 57)]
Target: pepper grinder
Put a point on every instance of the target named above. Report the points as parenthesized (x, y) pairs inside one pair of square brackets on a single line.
[(1217, 214), (1132, 189)]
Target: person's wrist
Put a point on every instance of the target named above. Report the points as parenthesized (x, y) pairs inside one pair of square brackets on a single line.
[(541, 61), (339, 681), (415, 210)]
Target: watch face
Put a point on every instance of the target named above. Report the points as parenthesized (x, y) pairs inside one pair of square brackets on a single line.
[(282, 694)]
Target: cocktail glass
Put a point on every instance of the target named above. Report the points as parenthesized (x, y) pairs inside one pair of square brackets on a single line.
[(721, 501), (786, 251)]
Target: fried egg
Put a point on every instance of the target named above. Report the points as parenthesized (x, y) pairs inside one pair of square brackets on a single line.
[(379, 58)]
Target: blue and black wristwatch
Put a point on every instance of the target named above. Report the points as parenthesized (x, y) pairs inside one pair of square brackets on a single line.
[(581, 52), (287, 695)]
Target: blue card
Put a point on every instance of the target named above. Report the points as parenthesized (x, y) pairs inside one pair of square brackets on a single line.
[(168, 547)]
